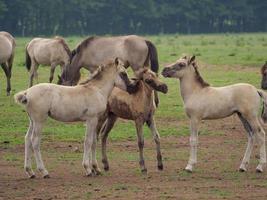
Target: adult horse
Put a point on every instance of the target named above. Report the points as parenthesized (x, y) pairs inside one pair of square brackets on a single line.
[(264, 76), (49, 100), (202, 101), (7, 52), (43, 51), (133, 50)]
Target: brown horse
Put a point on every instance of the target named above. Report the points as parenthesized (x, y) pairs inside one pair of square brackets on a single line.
[(133, 50), (138, 107), (264, 76), (7, 52), (43, 51)]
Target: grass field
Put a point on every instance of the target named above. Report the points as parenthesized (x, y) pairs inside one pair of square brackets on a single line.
[(223, 59)]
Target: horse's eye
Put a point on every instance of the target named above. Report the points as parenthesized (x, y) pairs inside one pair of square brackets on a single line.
[(182, 64)]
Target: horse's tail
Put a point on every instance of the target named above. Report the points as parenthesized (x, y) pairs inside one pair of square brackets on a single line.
[(28, 59), (153, 55), (263, 95), (20, 98)]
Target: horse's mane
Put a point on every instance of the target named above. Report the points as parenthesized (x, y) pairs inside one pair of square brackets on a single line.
[(263, 68), (97, 73), (64, 44), (83, 45), (199, 79)]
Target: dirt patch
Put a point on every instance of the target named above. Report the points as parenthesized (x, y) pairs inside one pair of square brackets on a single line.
[(215, 176)]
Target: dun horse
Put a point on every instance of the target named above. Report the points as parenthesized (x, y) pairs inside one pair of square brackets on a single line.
[(264, 76), (140, 108), (55, 101), (133, 50), (42, 51), (202, 101), (7, 52)]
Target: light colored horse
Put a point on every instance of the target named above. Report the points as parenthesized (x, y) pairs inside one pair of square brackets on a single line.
[(140, 108), (85, 102), (7, 52), (202, 101), (43, 51), (134, 51)]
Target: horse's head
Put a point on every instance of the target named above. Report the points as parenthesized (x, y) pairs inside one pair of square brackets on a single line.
[(152, 80), (264, 76), (69, 78), (179, 68)]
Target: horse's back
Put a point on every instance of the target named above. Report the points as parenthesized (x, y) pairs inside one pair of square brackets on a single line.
[(129, 48), (45, 51)]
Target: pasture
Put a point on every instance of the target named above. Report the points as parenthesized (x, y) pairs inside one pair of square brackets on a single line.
[(223, 59)]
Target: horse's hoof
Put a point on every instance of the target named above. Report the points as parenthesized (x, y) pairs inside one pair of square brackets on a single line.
[(32, 176), (242, 170), (106, 168), (144, 171), (160, 167), (189, 168), (90, 175), (46, 176)]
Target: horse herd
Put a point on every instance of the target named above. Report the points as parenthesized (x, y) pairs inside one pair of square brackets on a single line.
[(109, 93)]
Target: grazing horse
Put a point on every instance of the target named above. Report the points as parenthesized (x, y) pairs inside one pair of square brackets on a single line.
[(43, 51), (264, 76), (133, 50), (140, 108), (56, 101), (7, 52), (202, 101)]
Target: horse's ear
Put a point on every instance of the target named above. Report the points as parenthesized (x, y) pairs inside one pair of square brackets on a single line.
[(192, 59), (116, 61)]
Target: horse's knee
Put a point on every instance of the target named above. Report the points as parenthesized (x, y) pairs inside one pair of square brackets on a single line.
[(193, 141), (141, 144)]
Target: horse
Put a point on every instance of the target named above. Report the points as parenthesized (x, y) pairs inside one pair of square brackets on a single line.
[(201, 102), (138, 107), (133, 50), (7, 49), (56, 101), (264, 76), (44, 51)]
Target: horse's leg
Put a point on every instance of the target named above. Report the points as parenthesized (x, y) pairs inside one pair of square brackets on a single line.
[(10, 64), (108, 126), (88, 142), (52, 71), (152, 125), (251, 138), (95, 167), (28, 151), (194, 126), (140, 138), (260, 136), (33, 71), (8, 76), (36, 139)]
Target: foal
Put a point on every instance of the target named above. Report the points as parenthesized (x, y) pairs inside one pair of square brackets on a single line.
[(140, 108), (44, 51), (85, 102), (202, 101)]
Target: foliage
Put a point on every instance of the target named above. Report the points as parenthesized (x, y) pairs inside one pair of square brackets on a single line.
[(82, 17)]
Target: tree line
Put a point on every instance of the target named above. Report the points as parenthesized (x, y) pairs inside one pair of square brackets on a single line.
[(83, 17)]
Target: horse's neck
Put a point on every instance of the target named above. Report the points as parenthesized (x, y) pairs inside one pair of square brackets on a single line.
[(188, 86), (105, 84)]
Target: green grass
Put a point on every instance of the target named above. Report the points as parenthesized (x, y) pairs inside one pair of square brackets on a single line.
[(223, 59)]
